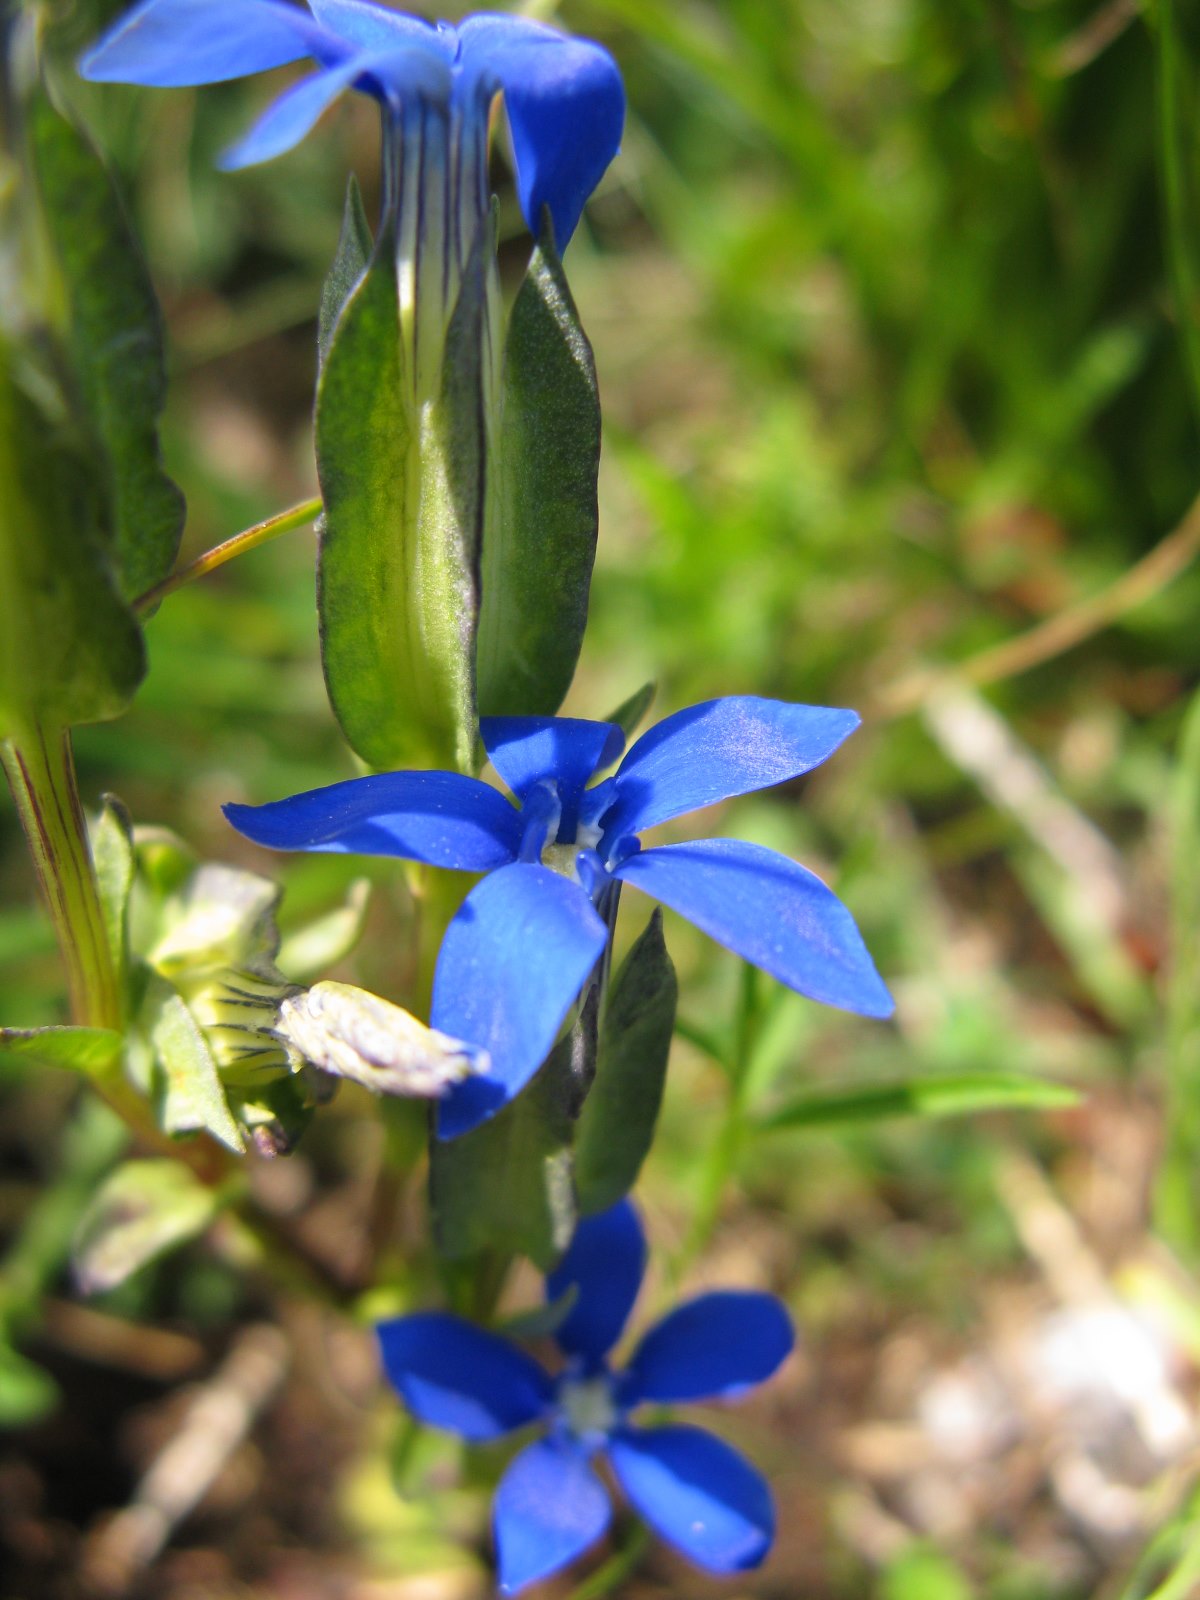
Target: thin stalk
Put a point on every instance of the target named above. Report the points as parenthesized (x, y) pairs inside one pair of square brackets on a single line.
[(723, 1155), (620, 1566), (40, 770), (250, 539)]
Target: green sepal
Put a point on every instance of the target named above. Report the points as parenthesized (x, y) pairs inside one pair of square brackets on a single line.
[(184, 1077), (70, 650), (140, 1212), (506, 1187), (91, 1051), (542, 1322), (114, 342), (355, 245), (402, 485), (629, 714), (616, 1126), (111, 838), (542, 515)]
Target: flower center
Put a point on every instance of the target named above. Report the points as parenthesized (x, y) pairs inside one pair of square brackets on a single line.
[(588, 1408)]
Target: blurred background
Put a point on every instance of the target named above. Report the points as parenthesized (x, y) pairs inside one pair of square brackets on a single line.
[(895, 311)]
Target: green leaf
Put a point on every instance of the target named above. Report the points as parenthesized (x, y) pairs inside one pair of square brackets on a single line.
[(191, 1098), (616, 1126), (141, 1211), (542, 516), (629, 714), (91, 1051), (27, 1393), (70, 650), (113, 856), (114, 338), (349, 264), (397, 590), (949, 1096), (506, 1187)]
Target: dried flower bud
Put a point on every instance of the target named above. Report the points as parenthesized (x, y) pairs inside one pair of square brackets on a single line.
[(353, 1034)]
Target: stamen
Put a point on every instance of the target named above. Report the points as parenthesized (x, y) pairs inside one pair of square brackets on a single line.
[(588, 1408), (541, 812)]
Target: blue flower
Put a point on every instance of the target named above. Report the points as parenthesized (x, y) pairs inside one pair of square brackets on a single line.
[(690, 1487), (527, 938), (435, 84)]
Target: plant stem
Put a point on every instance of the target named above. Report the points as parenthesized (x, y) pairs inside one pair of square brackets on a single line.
[(41, 774), (722, 1157), (620, 1566), (249, 539)]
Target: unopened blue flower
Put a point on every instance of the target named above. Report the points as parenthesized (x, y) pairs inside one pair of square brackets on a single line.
[(693, 1490), (526, 939), (563, 96)]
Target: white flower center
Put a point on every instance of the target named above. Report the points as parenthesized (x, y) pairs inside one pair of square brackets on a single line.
[(588, 1407)]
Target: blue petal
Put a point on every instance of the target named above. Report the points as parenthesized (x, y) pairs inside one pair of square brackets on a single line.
[(605, 1260), (697, 1494), (526, 751), (385, 74), (441, 818), (770, 911), (550, 1507), (565, 105), (170, 43), (511, 966), (367, 26), (717, 750), (714, 1347), (453, 1375)]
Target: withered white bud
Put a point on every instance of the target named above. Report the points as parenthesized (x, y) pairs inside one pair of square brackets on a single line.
[(354, 1034)]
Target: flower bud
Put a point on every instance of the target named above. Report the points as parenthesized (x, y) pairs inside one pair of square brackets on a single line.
[(353, 1034)]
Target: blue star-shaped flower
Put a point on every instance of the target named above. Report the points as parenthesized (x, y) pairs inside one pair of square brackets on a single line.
[(526, 939), (435, 83), (691, 1488)]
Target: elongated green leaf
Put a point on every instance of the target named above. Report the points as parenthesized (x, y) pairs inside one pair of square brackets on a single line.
[(954, 1095), (191, 1098), (114, 338), (91, 1051), (70, 650), (507, 1186), (616, 1126), (399, 547), (542, 516), (353, 255), (141, 1211), (113, 856)]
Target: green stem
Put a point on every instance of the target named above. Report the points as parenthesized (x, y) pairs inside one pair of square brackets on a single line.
[(41, 774), (623, 1564), (239, 545), (723, 1155)]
